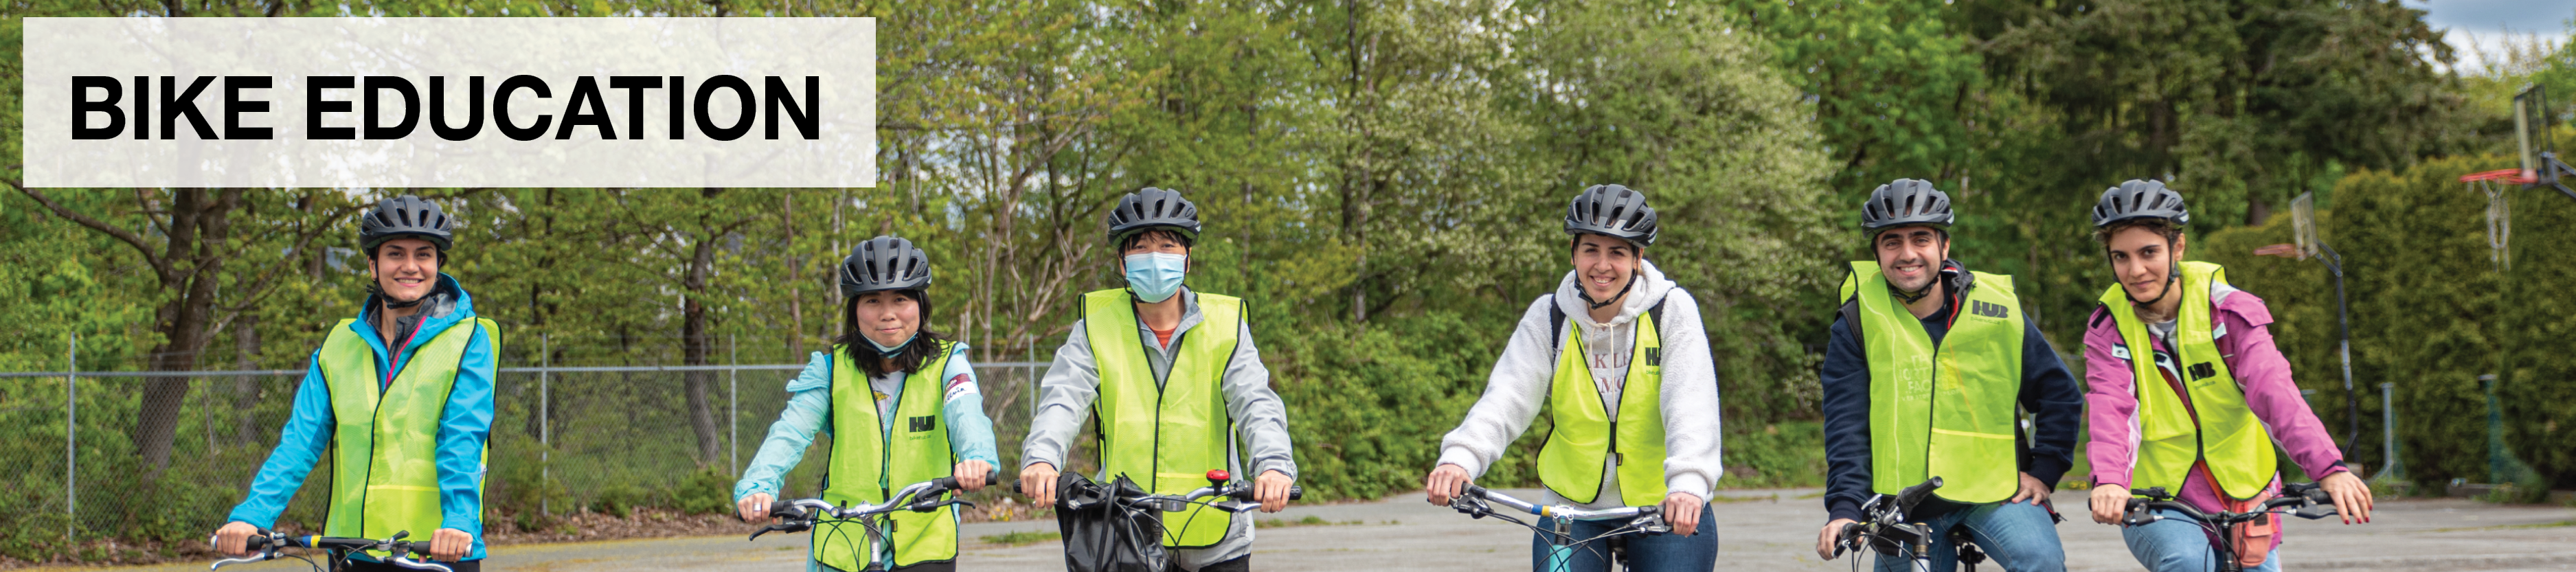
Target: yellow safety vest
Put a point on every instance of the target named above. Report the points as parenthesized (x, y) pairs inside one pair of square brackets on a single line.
[(866, 467), (384, 442), (1947, 411), (1584, 435), (1165, 436), (2213, 424)]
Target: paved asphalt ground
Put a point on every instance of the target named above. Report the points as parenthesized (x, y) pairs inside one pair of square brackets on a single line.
[(1757, 533)]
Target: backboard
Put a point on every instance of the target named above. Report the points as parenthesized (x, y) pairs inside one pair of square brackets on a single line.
[(2303, 221), (2531, 121)]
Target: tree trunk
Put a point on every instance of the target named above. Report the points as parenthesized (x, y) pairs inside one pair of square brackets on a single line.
[(193, 262), (695, 342), (246, 388)]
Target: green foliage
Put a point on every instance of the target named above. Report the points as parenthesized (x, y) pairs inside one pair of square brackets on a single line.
[(2430, 313)]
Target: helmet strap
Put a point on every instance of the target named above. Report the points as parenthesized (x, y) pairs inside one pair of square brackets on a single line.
[(1909, 297), (1597, 304), (2173, 275)]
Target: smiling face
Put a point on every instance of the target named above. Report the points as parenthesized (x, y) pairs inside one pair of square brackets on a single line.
[(886, 317), (405, 268), (1910, 256), (2142, 259), (1604, 265)]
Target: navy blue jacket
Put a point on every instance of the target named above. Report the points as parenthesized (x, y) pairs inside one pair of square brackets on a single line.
[(2048, 391)]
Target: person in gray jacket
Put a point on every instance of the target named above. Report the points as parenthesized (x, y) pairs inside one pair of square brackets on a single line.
[(1617, 346), (1174, 379)]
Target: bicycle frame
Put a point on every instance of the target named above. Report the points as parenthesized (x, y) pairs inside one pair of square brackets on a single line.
[(336, 549), (1478, 502), (2303, 500)]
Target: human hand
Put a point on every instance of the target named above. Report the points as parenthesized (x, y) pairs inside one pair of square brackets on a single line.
[(1682, 511), (1038, 482), (1444, 483), (1830, 535)]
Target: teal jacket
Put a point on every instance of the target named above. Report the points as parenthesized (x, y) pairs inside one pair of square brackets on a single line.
[(462, 427), (809, 409)]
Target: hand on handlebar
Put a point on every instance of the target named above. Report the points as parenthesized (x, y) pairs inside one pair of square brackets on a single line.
[(233, 538), (1445, 482), (753, 507), (973, 475), (2351, 496), (1038, 482), (1828, 539), (1271, 488), (2108, 502), (450, 545), (1681, 510)]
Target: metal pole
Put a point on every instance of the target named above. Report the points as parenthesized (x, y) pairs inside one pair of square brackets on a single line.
[(2343, 321), (733, 402), (545, 426), (71, 444), (2391, 468)]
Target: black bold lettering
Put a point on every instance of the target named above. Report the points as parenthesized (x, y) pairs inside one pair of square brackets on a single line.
[(142, 107), (234, 106), (774, 95), (82, 107), (501, 107), (410, 107), (742, 123), (176, 104), (679, 108), (473, 109), (635, 86), (585, 90), (315, 106)]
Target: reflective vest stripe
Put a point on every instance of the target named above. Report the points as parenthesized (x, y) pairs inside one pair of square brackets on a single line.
[(384, 444), (1173, 432), (1585, 437), (2224, 432), (1947, 410), (866, 467)]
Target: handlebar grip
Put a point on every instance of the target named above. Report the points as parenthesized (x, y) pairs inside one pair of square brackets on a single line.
[(1296, 492), (1913, 495), (944, 484), (1472, 491)]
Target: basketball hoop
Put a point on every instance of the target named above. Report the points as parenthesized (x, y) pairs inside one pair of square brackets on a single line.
[(2499, 213)]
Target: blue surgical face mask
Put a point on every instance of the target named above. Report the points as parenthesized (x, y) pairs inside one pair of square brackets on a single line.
[(1156, 276), (890, 351)]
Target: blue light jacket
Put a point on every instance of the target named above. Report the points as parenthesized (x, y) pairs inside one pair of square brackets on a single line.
[(463, 428), (809, 409)]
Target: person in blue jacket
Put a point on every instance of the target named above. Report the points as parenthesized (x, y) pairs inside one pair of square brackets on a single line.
[(874, 394), (401, 397)]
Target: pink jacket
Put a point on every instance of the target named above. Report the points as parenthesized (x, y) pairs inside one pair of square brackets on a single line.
[(2260, 370)]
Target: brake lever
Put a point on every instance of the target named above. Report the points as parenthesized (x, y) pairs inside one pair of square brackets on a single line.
[(2315, 511), (927, 506), (790, 528)]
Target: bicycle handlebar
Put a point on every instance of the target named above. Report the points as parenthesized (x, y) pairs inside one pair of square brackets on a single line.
[(1220, 484), (265, 544), (801, 514), (2305, 500)]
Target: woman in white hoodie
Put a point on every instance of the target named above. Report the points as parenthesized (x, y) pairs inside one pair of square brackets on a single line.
[(1635, 409)]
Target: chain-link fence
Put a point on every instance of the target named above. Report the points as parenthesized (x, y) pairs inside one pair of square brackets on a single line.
[(564, 439)]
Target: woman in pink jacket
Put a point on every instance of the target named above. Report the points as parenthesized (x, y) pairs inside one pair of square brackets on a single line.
[(2186, 391)]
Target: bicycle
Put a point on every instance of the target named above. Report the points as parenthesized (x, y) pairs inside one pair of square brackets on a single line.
[(1476, 501), (1238, 494), (2304, 500), (802, 514), (1884, 528), (338, 549)]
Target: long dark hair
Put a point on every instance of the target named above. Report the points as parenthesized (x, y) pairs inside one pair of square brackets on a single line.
[(923, 347)]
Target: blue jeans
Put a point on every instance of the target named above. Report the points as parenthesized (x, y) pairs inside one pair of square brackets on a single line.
[(2177, 544), (1646, 553), (2018, 537)]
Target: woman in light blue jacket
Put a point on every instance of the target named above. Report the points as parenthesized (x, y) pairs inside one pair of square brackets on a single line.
[(901, 404)]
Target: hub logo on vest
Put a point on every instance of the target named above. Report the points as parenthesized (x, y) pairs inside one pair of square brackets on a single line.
[(1988, 309)]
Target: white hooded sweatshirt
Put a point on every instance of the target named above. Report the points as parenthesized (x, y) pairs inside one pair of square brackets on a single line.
[(1517, 392)]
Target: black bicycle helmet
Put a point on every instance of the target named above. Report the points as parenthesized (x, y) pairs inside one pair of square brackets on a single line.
[(404, 216), (2139, 198), (1614, 211), (1906, 202), (884, 263), (1151, 208)]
